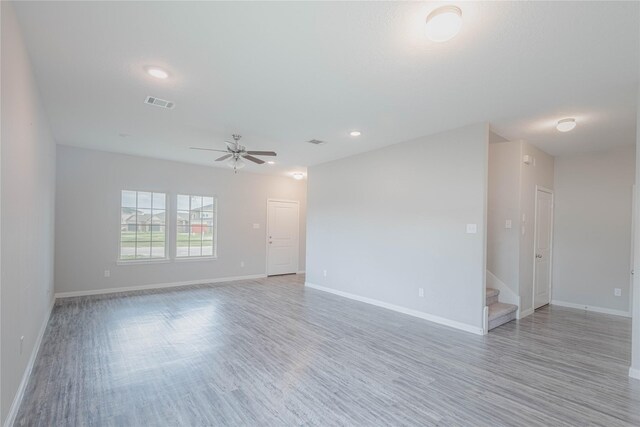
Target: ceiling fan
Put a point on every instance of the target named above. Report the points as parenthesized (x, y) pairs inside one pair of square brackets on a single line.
[(235, 153)]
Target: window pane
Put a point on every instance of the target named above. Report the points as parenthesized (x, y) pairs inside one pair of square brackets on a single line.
[(195, 219), (143, 249), (183, 202), (207, 204), (157, 235), (158, 217), (182, 251), (127, 215), (196, 202), (183, 233), (195, 249), (128, 199), (159, 201), (142, 230), (144, 200), (157, 251)]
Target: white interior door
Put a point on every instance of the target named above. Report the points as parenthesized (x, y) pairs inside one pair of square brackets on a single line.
[(282, 237), (544, 229)]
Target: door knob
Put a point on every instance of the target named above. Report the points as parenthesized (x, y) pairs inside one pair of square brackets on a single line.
[(538, 256)]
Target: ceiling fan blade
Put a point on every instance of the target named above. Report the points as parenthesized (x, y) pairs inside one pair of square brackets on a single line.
[(253, 159), (262, 153), (225, 157), (208, 149)]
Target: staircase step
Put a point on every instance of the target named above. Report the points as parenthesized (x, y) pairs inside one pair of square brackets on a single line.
[(491, 296), (500, 313)]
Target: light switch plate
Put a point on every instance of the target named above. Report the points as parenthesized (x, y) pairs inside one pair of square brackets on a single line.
[(507, 224), (617, 292), (256, 226), (472, 228)]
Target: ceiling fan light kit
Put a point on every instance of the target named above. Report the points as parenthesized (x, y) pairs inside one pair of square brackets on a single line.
[(237, 154)]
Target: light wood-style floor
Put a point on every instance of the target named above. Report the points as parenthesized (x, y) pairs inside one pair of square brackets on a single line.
[(270, 352)]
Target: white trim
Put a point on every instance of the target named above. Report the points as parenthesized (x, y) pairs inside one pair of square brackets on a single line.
[(591, 308), (195, 258), (524, 313), (156, 286), (142, 261), (485, 319), (415, 313), (301, 272), (535, 242), (17, 400), (634, 373)]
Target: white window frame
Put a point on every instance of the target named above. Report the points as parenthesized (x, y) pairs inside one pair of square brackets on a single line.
[(167, 222), (187, 258)]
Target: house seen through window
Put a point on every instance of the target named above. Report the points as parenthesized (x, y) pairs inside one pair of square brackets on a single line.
[(142, 225), (196, 226)]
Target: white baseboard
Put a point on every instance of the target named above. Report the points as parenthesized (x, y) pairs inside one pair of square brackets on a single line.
[(591, 308), (524, 313), (17, 400), (634, 373), (415, 313), (156, 286)]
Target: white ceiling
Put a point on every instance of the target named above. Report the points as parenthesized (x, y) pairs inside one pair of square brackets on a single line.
[(283, 73)]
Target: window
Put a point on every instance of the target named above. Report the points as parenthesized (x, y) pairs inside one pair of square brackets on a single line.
[(143, 218), (196, 226)]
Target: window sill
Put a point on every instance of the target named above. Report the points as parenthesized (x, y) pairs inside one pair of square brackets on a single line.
[(195, 258), (143, 261)]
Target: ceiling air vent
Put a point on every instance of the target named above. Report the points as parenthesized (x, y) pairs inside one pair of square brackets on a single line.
[(317, 142), (159, 102)]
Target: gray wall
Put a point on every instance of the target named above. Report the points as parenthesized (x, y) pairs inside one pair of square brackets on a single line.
[(503, 244), (88, 212), (592, 240), (387, 222), (512, 195), (27, 209)]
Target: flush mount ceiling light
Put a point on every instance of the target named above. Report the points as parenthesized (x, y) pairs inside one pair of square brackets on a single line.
[(565, 125), (355, 133), (444, 23), (297, 175), (158, 73), (271, 162)]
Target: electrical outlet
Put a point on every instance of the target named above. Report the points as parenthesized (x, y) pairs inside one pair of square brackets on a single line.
[(421, 292), (241, 263), (324, 273), (256, 226), (617, 292), (472, 228), (507, 224), (107, 273)]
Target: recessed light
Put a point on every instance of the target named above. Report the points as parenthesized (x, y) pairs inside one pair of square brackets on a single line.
[(158, 73), (565, 125), (444, 23), (297, 175), (355, 133), (271, 162)]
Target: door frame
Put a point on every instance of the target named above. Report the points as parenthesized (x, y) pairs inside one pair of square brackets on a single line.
[(535, 243), (266, 235)]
